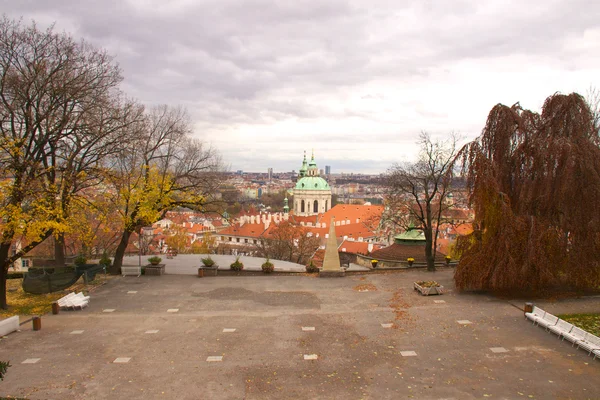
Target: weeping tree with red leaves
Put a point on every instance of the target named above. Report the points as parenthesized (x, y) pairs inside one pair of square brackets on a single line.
[(534, 183)]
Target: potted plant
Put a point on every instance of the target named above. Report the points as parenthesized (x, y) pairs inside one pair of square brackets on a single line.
[(311, 267), (448, 258), (374, 263), (268, 266), (428, 287), (209, 267), (410, 261), (208, 262), (237, 265), (104, 261), (154, 260), (80, 260)]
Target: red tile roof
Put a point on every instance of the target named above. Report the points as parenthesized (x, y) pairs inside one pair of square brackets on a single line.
[(354, 247), (247, 230)]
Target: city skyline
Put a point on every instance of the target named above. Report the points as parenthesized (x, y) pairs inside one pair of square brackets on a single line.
[(264, 80)]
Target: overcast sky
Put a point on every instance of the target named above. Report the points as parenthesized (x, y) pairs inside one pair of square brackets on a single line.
[(356, 81)]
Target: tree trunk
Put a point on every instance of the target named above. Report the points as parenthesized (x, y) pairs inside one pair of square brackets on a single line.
[(59, 250), (120, 253), (429, 251), (4, 250)]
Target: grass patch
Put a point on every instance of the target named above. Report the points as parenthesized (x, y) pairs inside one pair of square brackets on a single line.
[(22, 303), (587, 322)]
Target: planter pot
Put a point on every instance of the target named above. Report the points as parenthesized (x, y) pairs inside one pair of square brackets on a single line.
[(426, 291), (410, 263), (157, 270), (200, 272), (208, 271), (374, 264)]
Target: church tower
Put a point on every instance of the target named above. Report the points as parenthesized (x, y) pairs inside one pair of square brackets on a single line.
[(312, 194)]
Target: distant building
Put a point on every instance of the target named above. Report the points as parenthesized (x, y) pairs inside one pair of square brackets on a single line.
[(312, 194), (270, 173), (328, 170)]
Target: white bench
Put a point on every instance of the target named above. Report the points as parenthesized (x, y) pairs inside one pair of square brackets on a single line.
[(561, 328), (131, 270), (547, 321), (535, 313), (9, 325), (73, 301), (596, 353), (589, 343), (575, 335)]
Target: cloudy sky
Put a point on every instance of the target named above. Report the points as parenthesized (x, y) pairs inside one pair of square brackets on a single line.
[(354, 80)]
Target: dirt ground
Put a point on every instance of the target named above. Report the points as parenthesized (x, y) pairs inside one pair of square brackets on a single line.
[(424, 354)]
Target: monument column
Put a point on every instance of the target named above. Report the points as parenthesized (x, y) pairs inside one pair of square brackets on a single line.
[(331, 261)]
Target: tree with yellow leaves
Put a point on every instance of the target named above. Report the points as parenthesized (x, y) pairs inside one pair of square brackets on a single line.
[(160, 169), (60, 115)]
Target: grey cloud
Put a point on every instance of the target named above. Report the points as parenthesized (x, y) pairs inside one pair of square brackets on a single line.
[(240, 62)]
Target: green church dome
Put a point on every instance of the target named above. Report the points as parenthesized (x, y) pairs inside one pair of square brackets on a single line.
[(312, 183)]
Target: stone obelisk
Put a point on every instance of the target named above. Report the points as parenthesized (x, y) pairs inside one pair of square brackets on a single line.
[(331, 261)]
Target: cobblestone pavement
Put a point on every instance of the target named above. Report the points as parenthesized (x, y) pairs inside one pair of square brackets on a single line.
[(296, 337)]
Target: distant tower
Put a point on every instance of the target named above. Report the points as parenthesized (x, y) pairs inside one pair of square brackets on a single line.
[(312, 194), (286, 207), (303, 168), (270, 173), (328, 170)]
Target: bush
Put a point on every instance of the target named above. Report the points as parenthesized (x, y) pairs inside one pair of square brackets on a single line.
[(237, 265), (3, 367), (105, 260), (80, 260), (208, 262), (15, 275), (312, 267), (154, 260), (268, 266)]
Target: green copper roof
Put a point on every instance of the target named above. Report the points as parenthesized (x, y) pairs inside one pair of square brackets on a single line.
[(304, 167), (411, 236), (286, 207), (312, 162), (312, 183)]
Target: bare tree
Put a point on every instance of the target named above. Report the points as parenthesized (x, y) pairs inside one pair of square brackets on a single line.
[(416, 192), (288, 242), (593, 100)]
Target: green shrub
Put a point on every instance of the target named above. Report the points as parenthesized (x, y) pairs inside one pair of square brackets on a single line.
[(237, 265), (268, 266), (208, 262), (3, 367), (105, 260), (311, 267), (80, 260), (154, 260), (15, 275)]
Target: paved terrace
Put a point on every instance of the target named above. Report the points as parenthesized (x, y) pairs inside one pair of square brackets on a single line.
[(295, 337)]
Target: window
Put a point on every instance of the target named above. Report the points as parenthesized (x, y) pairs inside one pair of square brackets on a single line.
[(316, 206), (237, 240), (254, 241), (302, 206), (230, 238), (245, 240), (326, 205)]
